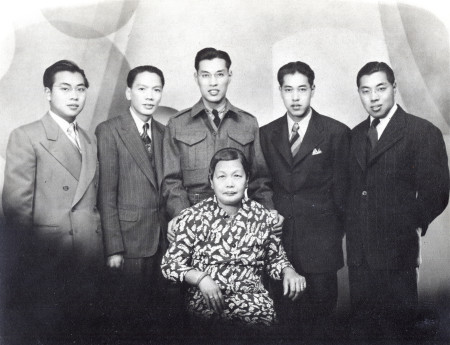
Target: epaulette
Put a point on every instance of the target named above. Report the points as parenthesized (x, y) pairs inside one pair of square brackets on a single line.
[(181, 112)]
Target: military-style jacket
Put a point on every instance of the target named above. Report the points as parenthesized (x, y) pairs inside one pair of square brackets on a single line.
[(190, 141)]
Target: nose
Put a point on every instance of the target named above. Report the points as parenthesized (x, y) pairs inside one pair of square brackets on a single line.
[(74, 94), (374, 95), (295, 95), (149, 95), (229, 182), (213, 80)]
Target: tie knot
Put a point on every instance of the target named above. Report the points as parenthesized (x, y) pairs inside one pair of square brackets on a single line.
[(295, 127), (375, 122), (215, 112), (146, 126)]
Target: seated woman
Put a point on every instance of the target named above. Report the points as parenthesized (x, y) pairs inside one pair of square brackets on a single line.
[(222, 246)]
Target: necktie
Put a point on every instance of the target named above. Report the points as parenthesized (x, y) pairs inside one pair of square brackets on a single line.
[(372, 134), (146, 139), (295, 141), (73, 134), (216, 117)]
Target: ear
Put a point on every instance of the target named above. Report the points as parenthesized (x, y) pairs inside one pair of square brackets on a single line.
[(48, 94), (395, 87), (313, 88), (128, 93), (230, 74)]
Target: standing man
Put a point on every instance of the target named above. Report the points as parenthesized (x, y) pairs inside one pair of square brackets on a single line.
[(130, 157), (49, 201), (193, 136), (399, 184), (307, 155)]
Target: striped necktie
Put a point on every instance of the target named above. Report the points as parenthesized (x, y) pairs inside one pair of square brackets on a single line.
[(295, 140)]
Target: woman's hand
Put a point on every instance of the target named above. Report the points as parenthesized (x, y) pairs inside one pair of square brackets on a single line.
[(212, 294), (293, 283)]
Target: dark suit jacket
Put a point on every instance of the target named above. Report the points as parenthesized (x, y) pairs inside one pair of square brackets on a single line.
[(129, 199), (309, 190), (49, 194), (402, 186)]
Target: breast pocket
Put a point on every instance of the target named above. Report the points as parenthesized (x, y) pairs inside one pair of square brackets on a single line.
[(193, 149), (242, 141)]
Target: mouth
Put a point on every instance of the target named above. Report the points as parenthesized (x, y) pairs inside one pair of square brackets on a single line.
[(73, 106), (230, 193), (296, 107), (148, 106), (213, 92), (375, 108)]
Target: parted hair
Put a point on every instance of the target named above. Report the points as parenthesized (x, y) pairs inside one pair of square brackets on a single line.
[(62, 66)]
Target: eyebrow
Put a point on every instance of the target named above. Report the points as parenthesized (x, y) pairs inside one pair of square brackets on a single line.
[(67, 84), (220, 70)]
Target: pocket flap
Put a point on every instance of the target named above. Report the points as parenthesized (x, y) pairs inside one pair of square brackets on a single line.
[(128, 215), (191, 137), (242, 138)]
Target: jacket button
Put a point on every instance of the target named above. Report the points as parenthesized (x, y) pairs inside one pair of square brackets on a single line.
[(364, 193), (214, 133), (71, 232), (66, 188)]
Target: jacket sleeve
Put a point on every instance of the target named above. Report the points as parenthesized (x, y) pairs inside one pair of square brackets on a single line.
[(259, 185), (174, 193), (341, 177), (20, 180), (432, 176), (108, 188)]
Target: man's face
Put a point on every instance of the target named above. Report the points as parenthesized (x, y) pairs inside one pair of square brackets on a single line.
[(145, 94), (377, 94), (296, 94), (213, 78), (67, 95)]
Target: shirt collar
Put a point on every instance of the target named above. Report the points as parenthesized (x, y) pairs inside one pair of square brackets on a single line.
[(389, 115), (139, 123), (63, 124), (200, 106), (303, 122)]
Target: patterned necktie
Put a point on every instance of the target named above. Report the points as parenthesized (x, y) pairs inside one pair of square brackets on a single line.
[(146, 139), (295, 141), (372, 134), (73, 134), (216, 117)]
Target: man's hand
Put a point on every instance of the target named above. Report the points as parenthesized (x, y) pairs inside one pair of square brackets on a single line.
[(293, 283), (171, 230), (115, 261), (278, 226)]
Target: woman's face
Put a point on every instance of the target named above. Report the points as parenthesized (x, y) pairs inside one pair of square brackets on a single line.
[(229, 182)]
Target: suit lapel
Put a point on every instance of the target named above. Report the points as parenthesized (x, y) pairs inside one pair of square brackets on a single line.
[(88, 165), (60, 147), (313, 137), (157, 136), (280, 139), (130, 136), (393, 132), (360, 144)]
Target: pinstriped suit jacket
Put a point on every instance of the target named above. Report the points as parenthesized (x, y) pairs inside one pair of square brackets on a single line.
[(402, 186), (129, 199)]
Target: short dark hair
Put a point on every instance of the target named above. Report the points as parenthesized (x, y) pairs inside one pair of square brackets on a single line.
[(140, 69), (229, 154), (376, 66), (62, 66), (296, 67), (212, 53)]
